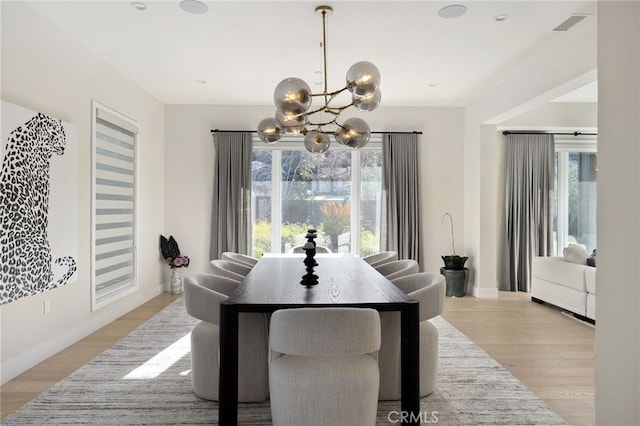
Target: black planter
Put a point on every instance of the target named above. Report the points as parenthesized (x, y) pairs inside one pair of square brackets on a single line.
[(457, 280), (454, 261)]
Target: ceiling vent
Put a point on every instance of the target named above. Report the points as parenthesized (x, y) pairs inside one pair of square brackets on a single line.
[(570, 22)]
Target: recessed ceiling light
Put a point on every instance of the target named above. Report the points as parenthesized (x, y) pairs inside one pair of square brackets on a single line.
[(452, 11), (194, 6), (201, 81), (501, 17), (434, 84), (138, 5)]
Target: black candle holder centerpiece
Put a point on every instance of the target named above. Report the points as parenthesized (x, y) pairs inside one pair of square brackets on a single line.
[(310, 279)]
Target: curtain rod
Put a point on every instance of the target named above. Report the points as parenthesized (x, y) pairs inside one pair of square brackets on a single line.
[(253, 131), (507, 132)]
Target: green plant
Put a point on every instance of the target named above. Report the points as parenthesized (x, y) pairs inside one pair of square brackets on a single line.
[(292, 234), (336, 221), (453, 261), (369, 243), (261, 238)]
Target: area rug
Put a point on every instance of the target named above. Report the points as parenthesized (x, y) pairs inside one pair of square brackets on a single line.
[(145, 379)]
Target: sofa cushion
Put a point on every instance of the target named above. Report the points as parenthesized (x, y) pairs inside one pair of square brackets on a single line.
[(559, 271), (575, 253)]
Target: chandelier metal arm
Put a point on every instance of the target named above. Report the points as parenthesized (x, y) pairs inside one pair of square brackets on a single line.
[(326, 123), (325, 107), (327, 132)]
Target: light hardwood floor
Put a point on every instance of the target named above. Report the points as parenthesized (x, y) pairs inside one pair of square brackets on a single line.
[(17, 392), (551, 354)]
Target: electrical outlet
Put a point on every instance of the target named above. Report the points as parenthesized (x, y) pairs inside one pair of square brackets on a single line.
[(47, 306)]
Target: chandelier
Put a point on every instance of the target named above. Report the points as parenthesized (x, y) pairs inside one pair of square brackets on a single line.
[(294, 112)]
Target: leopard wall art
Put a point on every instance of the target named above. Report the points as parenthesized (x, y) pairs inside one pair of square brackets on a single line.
[(25, 254)]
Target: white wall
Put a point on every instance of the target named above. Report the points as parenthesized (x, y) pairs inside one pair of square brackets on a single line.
[(557, 115), (190, 154), (570, 64), (53, 74), (618, 272)]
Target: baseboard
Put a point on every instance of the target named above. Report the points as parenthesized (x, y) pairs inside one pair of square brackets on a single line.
[(578, 317), (485, 292), (13, 367), (583, 318)]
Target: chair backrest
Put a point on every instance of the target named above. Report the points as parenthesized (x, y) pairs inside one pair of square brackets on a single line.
[(228, 269), (428, 288), (381, 258), (319, 249), (242, 259), (324, 331), (201, 299), (398, 268)]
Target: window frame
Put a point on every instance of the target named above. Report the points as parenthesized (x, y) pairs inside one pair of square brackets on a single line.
[(293, 142), (562, 150), (101, 200)]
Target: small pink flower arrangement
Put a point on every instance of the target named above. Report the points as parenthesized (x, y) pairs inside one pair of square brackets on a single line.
[(171, 253), (177, 262)]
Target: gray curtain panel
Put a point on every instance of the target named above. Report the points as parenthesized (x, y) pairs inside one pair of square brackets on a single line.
[(400, 195), (231, 214), (528, 201)]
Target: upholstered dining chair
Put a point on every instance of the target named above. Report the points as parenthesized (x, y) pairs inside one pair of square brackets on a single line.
[(228, 269), (323, 368), (381, 258), (319, 249), (202, 296), (242, 259), (398, 268), (429, 290)]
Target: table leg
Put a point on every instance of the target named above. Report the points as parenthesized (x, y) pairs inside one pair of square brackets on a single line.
[(228, 379), (410, 363)]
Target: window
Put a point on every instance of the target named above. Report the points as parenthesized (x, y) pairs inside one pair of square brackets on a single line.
[(114, 206), (337, 193), (575, 187)]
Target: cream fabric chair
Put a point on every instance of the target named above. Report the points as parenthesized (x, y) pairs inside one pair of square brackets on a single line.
[(202, 296), (429, 290), (381, 258), (242, 259), (319, 249), (398, 268), (228, 269), (323, 368)]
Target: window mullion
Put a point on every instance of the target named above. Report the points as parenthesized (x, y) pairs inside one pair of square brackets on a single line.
[(563, 200), (276, 201), (355, 201)]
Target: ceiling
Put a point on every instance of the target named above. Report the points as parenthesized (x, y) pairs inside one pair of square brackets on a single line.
[(237, 52)]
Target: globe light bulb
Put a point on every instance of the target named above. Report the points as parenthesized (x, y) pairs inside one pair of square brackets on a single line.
[(368, 102), (317, 142), (354, 133), (269, 130), (292, 96), (363, 78), (290, 122)]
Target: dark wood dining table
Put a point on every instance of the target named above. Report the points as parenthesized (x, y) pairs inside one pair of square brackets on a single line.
[(344, 280)]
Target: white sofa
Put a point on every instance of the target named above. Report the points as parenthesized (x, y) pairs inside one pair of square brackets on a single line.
[(568, 285)]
